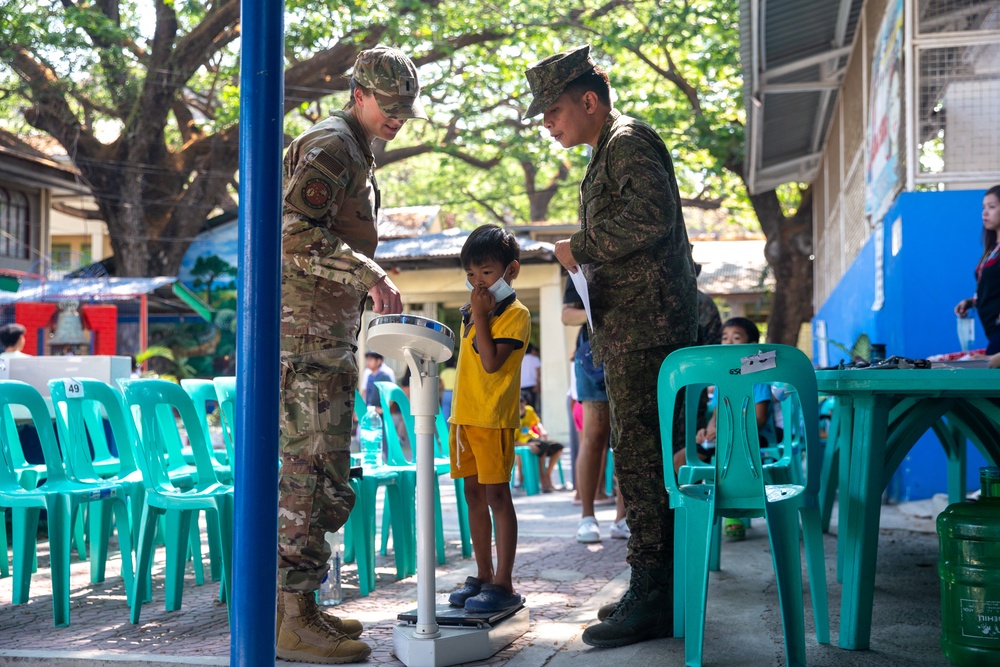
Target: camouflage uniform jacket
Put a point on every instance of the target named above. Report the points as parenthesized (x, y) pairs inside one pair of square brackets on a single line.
[(329, 234), (633, 243), (709, 321)]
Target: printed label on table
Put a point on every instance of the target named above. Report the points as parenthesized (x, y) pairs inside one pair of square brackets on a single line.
[(74, 389), (980, 620)]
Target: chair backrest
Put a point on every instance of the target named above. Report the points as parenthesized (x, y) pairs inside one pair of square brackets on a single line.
[(80, 406), (389, 394), (153, 403), (734, 370), (206, 400), (225, 391), (13, 393)]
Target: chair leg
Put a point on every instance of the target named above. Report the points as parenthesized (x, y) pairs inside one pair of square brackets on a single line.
[(812, 536), (178, 526), (144, 558), (224, 520), (697, 543), (24, 526), (783, 534), (80, 532), (99, 514), (60, 514), (194, 551), (4, 563), (463, 518), (438, 524), (401, 546), (125, 542)]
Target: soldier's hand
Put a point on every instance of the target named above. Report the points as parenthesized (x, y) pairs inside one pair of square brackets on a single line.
[(385, 297), (565, 255)]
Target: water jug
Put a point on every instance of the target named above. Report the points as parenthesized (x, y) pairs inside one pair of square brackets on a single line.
[(370, 435), (330, 589), (969, 567)]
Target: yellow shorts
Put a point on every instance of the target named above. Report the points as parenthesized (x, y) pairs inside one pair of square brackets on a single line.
[(487, 453)]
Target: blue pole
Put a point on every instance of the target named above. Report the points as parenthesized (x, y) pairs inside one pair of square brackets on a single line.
[(257, 376)]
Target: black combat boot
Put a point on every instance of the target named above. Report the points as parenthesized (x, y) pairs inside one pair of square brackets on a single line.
[(646, 611)]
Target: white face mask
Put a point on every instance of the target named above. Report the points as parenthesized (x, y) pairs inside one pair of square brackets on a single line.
[(500, 289)]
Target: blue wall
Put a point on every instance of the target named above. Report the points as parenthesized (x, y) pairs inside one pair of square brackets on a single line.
[(941, 241)]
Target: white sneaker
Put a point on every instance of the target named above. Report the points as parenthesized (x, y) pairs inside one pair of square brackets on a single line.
[(588, 532), (620, 531)]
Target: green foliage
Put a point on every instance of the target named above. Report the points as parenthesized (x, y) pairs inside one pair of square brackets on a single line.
[(674, 63)]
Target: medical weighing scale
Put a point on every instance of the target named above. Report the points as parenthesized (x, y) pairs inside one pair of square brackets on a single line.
[(434, 635)]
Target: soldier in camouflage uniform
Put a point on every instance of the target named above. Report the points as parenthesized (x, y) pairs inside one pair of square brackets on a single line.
[(633, 249), (329, 236)]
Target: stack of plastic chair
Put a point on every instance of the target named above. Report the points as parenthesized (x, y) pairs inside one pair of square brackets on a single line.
[(441, 450), (153, 403), (738, 488), (81, 406), (390, 394), (60, 497), (530, 476)]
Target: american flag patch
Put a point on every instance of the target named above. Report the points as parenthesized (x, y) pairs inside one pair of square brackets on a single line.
[(328, 164)]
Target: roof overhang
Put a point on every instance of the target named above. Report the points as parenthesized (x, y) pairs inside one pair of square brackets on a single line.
[(794, 56)]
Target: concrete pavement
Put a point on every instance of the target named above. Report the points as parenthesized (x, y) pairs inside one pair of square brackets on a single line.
[(564, 583)]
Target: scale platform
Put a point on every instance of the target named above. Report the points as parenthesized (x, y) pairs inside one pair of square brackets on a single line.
[(462, 636)]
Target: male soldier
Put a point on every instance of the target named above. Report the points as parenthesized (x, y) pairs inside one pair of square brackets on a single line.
[(634, 251), (328, 240)]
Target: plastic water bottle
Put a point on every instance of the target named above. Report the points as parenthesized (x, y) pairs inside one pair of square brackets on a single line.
[(330, 590), (969, 567), (370, 434)]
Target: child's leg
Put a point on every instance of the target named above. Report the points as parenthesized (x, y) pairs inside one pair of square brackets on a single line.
[(498, 497), (481, 527)]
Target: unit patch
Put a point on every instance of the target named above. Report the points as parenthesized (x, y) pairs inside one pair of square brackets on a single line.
[(317, 193)]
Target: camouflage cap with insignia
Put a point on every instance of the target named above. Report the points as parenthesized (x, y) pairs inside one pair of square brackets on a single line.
[(392, 78), (548, 78)]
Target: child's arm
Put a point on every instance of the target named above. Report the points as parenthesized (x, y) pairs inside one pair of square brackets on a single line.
[(493, 355)]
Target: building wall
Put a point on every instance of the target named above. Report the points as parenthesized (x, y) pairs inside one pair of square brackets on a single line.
[(930, 247)]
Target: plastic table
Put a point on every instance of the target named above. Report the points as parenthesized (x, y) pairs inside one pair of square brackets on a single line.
[(885, 413)]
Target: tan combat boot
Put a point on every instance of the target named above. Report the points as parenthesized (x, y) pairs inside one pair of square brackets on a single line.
[(347, 626), (305, 637)]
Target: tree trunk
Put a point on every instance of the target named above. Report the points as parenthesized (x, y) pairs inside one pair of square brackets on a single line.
[(789, 253)]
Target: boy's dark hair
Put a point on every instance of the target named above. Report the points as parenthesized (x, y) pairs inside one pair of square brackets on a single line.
[(489, 242), (374, 355), (753, 333), (595, 80), (10, 334)]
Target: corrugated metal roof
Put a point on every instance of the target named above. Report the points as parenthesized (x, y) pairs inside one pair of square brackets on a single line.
[(84, 289), (448, 245), (793, 58)]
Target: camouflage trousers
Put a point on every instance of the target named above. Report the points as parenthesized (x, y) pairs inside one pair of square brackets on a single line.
[(314, 494), (635, 439)]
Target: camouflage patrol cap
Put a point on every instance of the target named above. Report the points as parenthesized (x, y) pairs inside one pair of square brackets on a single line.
[(392, 78), (548, 78)]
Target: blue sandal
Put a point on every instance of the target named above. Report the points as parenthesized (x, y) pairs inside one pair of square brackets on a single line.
[(470, 589), (493, 598)]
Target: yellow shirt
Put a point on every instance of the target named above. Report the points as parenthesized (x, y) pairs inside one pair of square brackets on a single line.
[(528, 421), (491, 400)]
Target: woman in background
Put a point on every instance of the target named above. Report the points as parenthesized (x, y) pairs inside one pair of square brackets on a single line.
[(987, 298)]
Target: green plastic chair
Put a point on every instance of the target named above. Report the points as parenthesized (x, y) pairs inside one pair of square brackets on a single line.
[(153, 403), (81, 406), (61, 497), (389, 394), (204, 396), (739, 488), (225, 391)]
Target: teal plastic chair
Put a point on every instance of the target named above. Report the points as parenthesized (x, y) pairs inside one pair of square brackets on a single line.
[(153, 403), (442, 451), (61, 497), (204, 396), (81, 406), (739, 489), (390, 394), (225, 391)]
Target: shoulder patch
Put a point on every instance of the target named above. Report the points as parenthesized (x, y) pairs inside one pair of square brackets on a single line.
[(317, 193)]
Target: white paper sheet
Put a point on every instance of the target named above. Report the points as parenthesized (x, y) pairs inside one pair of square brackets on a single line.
[(580, 283)]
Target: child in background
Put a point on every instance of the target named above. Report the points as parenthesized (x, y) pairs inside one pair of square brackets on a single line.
[(534, 435), (736, 331), (484, 417)]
